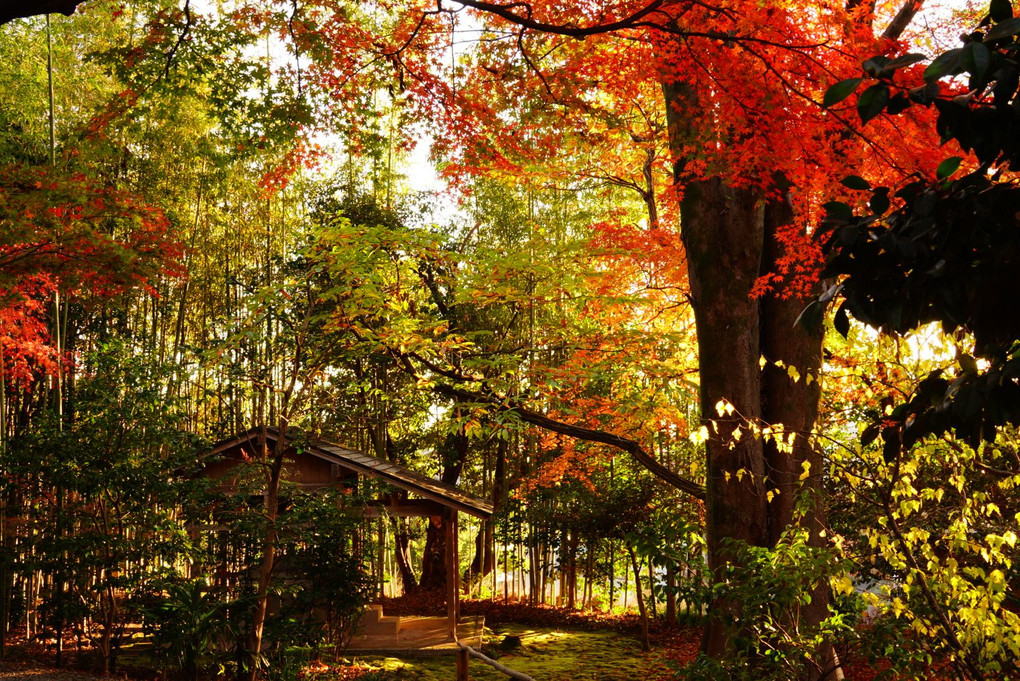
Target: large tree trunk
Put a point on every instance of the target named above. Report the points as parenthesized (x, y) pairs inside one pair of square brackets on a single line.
[(722, 231), (730, 241), (790, 398)]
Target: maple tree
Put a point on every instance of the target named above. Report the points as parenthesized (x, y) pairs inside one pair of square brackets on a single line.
[(731, 95)]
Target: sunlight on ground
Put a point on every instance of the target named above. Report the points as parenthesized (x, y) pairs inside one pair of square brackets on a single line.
[(546, 654)]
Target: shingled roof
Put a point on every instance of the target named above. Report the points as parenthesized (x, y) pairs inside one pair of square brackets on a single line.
[(442, 493)]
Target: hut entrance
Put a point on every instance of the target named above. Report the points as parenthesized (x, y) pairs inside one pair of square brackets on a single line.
[(319, 464)]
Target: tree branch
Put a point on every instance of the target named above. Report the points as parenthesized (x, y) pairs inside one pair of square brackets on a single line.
[(525, 20), (632, 447), (902, 19)]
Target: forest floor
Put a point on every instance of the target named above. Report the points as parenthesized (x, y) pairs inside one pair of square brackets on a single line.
[(547, 643)]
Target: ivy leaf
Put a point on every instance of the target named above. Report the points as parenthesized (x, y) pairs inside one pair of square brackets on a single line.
[(872, 102), (855, 182), (840, 91), (948, 167)]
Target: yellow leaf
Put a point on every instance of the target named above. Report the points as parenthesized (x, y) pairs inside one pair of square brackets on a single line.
[(720, 407)]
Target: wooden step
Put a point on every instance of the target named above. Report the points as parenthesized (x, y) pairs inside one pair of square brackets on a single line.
[(373, 613), (385, 626)]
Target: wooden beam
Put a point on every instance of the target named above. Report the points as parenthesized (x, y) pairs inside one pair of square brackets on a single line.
[(452, 572), (415, 508)]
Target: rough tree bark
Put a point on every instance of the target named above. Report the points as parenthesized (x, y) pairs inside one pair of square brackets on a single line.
[(729, 234), (433, 571)]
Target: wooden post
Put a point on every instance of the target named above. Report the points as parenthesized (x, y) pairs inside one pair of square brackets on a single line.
[(462, 664), (452, 572)]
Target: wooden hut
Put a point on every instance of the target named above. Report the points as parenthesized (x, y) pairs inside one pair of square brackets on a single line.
[(317, 464)]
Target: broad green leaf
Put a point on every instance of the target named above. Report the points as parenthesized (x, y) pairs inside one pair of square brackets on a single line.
[(977, 58), (838, 211), (855, 182), (872, 102), (840, 91), (879, 203), (841, 321), (876, 66), (902, 61), (947, 63), (1003, 29), (948, 167)]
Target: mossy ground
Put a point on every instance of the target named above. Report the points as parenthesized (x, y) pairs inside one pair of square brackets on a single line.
[(549, 654)]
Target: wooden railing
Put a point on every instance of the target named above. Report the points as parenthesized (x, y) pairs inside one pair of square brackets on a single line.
[(465, 653)]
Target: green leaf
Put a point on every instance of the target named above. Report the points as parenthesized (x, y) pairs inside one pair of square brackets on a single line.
[(870, 433), (876, 66), (1000, 10), (879, 203), (897, 104), (872, 102), (925, 94), (855, 182), (948, 167), (838, 210), (1003, 29), (967, 363), (902, 61), (977, 58), (947, 63), (841, 321), (840, 91)]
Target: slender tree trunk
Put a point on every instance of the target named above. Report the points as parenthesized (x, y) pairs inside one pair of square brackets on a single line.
[(671, 619), (645, 642), (402, 554), (433, 572), (272, 499), (571, 565)]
